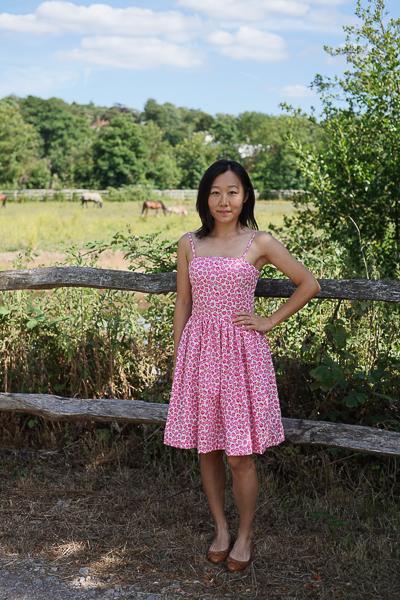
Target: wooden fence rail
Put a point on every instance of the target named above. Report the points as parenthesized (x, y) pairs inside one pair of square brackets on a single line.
[(350, 437), (297, 431), (47, 278)]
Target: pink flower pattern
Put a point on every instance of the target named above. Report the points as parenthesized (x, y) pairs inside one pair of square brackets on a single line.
[(224, 394)]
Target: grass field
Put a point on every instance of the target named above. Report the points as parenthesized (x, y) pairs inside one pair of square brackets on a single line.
[(50, 225)]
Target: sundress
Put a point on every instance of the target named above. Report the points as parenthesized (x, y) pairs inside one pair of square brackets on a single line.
[(224, 394)]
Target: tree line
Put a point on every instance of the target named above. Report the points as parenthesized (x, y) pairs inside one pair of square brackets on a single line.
[(347, 159), (165, 146)]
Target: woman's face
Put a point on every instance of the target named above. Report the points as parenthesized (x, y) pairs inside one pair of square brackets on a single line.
[(226, 198)]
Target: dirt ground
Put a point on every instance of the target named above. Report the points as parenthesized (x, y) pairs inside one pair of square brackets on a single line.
[(107, 515), (44, 258)]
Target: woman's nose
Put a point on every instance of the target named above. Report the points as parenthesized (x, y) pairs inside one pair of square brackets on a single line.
[(224, 199)]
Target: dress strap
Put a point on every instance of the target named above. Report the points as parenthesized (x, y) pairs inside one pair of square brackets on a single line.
[(249, 244), (192, 244)]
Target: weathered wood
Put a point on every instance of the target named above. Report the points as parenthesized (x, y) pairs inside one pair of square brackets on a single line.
[(45, 278), (347, 437), (345, 289), (55, 408)]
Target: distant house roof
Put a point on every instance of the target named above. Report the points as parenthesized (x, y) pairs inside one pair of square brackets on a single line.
[(99, 124)]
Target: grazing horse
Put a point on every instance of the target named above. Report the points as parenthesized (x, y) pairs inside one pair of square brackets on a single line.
[(92, 197), (3, 199), (178, 210), (154, 204)]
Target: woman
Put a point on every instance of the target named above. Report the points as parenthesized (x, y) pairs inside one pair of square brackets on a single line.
[(224, 395)]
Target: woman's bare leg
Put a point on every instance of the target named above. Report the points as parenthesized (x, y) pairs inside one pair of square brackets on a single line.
[(213, 478), (245, 490)]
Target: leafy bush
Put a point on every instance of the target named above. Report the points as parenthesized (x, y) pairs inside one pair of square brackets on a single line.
[(335, 360)]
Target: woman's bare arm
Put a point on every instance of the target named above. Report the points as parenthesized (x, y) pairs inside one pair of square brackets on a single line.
[(183, 303), (275, 253)]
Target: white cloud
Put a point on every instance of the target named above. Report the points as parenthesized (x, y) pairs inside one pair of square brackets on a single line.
[(250, 44), (296, 91), (55, 17), (131, 53), (254, 10), (275, 15), (245, 10)]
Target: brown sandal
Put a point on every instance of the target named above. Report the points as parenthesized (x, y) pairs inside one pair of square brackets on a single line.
[(234, 565), (218, 556)]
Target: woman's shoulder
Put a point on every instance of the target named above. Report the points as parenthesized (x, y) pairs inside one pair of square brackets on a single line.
[(185, 239), (185, 244), (263, 237)]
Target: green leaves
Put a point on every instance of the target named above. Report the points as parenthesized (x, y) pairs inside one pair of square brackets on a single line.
[(4, 311), (328, 375), (19, 144), (354, 180), (354, 398), (149, 253), (36, 316)]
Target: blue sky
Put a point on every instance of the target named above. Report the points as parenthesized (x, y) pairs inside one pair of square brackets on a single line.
[(225, 56)]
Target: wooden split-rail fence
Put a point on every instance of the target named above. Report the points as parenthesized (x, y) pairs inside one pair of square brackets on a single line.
[(297, 431)]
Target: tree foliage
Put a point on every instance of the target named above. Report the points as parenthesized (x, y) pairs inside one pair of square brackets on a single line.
[(20, 144), (62, 132), (193, 157), (119, 153), (165, 146), (355, 179)]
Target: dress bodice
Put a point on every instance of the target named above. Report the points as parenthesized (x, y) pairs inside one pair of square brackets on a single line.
[(222, 285)]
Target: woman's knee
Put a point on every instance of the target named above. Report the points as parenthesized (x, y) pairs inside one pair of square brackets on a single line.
[(240, 463), (211, 457)]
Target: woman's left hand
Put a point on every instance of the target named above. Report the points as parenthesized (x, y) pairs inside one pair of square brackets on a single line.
[(251, 321)]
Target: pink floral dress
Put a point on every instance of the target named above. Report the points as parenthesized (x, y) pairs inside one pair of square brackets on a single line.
[(224, 394)]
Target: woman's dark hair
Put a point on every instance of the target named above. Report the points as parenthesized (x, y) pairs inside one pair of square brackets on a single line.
[(246, 217)]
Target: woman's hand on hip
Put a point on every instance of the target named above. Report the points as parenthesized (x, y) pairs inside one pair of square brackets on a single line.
[(250, 321)]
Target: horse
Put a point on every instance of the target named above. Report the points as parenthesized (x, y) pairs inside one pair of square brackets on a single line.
[(178, 210), (154, 204), (92, 197), (3, 199)]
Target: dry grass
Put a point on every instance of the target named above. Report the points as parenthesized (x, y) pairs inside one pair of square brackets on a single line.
[(48, 226), (132, 510)]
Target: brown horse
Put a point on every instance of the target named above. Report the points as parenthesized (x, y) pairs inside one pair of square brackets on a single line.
[(3, 199), (155, 205)]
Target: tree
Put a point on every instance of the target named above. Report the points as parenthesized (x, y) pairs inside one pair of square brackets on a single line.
[(271, 158), (61, 131), (176, 122), (38, 175), (168, 118), (355, 181), (226, 134), (193, 157), (119, 153), (162, 168), (19, 145)]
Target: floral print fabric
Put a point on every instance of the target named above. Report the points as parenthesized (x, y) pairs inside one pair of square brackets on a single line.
[(224, 394)]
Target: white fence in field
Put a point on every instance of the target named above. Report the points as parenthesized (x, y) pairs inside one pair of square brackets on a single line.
[(67, 194), (41, 194)]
